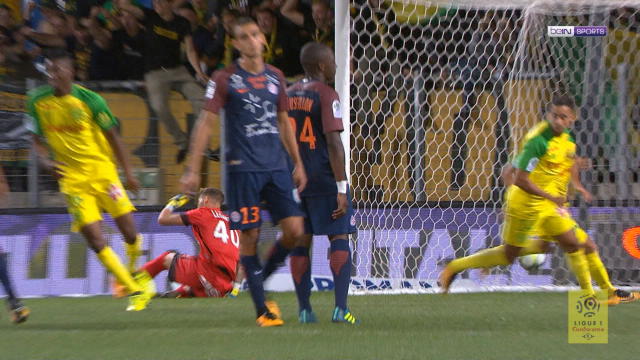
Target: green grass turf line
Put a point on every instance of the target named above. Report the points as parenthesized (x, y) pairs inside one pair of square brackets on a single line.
[(459, 326)]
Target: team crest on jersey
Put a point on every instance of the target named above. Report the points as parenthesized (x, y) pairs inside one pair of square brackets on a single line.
[(235, 216), (272, 88), (211, 89), (335, 106), (237, 82)]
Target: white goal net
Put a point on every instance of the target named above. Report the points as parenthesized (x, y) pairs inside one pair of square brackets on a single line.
[(441, 92)]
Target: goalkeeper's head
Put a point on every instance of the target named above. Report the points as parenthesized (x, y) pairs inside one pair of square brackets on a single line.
[(210, 198)]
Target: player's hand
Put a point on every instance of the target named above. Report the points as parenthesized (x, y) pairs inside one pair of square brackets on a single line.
[(559, 200), (189, 182), (132, 183), (586, 195), (584, 163), (300, 178), (342, 206), (178, 201)]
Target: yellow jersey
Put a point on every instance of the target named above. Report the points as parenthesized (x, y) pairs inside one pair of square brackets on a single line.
[(73, 127), (548, 158)]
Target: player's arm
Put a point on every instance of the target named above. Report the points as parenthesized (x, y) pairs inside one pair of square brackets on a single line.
[(108, 124), (167, 216), (508, 175), (123, 158), (336, 159), (199, 140), (44, 160), (526, 162), (288, 139), (577, 184)]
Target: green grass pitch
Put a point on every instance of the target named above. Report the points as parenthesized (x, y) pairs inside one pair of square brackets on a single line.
[(459, 326)]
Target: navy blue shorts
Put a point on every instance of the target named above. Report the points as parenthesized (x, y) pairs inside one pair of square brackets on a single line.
[(247, 192), (318, 220)]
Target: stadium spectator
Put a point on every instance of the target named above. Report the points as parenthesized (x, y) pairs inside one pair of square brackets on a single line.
[(376, 48), (128, 36), (101, 48), (166, 33), (282, 48), (481, 68), (316, 24), (14, 59), (227, 54)]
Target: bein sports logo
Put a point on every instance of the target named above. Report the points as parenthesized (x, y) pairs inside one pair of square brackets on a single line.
[(576, 31)]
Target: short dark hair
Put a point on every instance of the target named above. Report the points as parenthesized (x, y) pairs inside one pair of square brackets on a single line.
[(57, 53), (312, 54), (212, 193), (241, 21), (564, 100)]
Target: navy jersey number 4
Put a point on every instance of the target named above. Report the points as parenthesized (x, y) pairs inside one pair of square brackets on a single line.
[(314, 110)]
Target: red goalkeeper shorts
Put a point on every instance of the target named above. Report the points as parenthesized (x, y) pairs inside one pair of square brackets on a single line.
[(205, 280)]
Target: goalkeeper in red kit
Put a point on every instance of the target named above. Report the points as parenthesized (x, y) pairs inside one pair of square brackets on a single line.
[(211, 273)]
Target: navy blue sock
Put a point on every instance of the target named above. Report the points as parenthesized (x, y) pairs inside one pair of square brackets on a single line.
[(301, 273), (4, 278), (253, 272), (276, 259), (340, 262)]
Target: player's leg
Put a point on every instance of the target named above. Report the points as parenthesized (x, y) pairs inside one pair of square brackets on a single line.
[(301, 274), (558, 224), (515, 234), (340, 263), (244, 200), (139, 295), (17, 311), (599, 272), (285, 211), (132, 238), (114, 200)]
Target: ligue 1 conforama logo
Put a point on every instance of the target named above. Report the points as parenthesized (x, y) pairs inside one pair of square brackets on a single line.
[(576, 31), (588, 306)]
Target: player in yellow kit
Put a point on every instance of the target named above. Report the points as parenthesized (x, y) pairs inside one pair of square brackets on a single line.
[(537, 200), (76, 139), (596, 267)]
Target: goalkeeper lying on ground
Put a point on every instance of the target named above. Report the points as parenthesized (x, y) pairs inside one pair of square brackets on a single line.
[(211, 273)]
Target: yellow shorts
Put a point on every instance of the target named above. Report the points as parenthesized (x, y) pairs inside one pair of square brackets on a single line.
[(516, 231), (85, 203), (556, 221)]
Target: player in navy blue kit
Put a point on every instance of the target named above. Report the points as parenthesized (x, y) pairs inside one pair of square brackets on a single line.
[(253, 97), (314, 109)]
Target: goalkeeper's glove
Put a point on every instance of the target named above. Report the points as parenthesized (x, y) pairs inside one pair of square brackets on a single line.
[(177, 201)]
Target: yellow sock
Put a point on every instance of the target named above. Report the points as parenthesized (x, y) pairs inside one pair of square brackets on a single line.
[(111, 261), (580, 267), (482, 259), (599, 272), (133, 252)]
